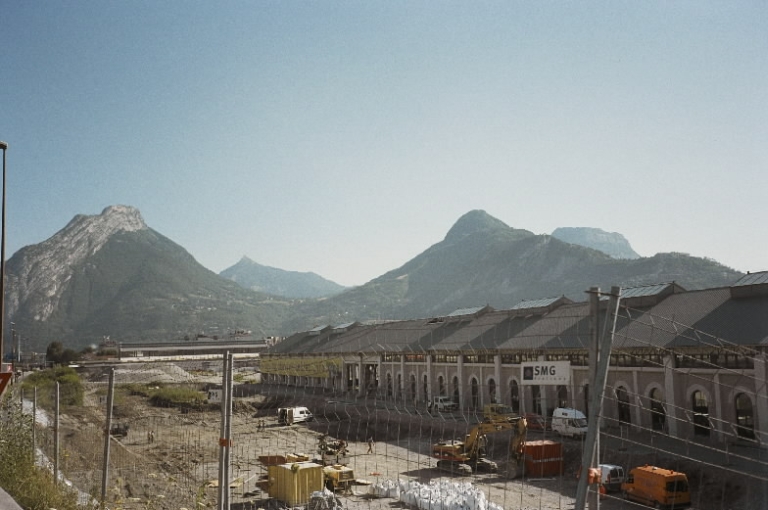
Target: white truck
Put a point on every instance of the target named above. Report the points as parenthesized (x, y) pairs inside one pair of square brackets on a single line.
[(291, 415), (443, 404), (569, 422)]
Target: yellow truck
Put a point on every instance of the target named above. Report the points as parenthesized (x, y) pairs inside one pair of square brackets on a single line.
[(658, 487)]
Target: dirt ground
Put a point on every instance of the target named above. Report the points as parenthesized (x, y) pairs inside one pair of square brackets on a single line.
[(169, 458)]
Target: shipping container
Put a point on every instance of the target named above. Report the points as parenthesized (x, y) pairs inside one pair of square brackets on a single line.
[(543, 458)]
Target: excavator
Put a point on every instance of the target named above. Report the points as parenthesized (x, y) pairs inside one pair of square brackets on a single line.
[(468, 456)]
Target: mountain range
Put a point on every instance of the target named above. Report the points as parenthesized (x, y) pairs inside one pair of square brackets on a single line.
[(111, 275), (271, 280)]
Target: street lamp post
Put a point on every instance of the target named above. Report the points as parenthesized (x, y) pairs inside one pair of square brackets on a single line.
[(4, 147)]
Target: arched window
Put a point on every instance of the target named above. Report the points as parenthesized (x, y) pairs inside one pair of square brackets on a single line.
[(658, 414), (440, 386), (745, 422), (425, 389), (475, 393), (399, 386), (562, 396), (389, 385), (536, 397), (514, 393), (701, 425), (492, 390), (456, 395), (622, 402), (413, 388)]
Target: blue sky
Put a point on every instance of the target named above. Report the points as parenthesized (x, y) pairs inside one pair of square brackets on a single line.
[(345, 138)]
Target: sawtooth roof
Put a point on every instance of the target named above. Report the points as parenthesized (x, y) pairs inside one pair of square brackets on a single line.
[(672, 318)]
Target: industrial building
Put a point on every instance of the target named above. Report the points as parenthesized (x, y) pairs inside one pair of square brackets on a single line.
[(684, 363)]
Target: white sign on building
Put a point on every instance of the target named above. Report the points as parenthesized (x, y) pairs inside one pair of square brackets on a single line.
[(546, 373)]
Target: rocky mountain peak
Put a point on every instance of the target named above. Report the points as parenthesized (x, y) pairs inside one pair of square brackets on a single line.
[(85, 235), (474, 221), (42, 270)]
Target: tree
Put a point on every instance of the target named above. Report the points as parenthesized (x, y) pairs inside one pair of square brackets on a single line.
[(56, 353)]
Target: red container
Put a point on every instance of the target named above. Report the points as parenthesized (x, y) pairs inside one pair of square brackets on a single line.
[(543, 458)]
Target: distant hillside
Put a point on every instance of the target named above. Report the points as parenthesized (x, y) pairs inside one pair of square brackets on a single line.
[(483, 261), (610, 243), (278, 282)]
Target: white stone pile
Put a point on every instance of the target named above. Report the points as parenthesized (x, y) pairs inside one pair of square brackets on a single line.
[(323, 500), (437, 495)]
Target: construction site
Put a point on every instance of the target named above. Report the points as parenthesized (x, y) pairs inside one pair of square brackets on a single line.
[(363, 453)]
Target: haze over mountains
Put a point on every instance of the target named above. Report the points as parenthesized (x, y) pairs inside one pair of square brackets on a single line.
[(112, 275)]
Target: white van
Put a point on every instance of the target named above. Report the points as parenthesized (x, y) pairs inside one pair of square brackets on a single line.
[(291, 415), (569, 422), (611, 477), (443, 404)]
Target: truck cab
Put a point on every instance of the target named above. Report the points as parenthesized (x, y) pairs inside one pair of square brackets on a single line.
[(569, 422)]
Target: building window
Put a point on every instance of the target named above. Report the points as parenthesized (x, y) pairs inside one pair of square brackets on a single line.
[(456, 393), (622, 402), (475, 393), (745, 423), (514, 392), (701, 425), (658, 414)]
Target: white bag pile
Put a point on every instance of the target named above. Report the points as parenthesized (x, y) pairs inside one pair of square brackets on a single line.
[(437, 495), (386, 489)]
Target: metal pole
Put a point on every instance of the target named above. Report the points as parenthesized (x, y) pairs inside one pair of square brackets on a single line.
[(56, 438), (4, 147), (228, 434), (223, 433), (596, 400), (107, 429), (34, 421)]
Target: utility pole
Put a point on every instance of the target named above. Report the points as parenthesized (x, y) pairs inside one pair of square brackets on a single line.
[(602, 351), (4, 148), (225, 438), (107, 430)]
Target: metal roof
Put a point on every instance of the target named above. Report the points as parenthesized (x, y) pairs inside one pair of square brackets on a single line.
[(465, 311), (645, 290), (535, 303), (672, 318), (752, 279)]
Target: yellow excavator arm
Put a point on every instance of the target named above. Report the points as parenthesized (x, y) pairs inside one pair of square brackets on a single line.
[(475, 436)]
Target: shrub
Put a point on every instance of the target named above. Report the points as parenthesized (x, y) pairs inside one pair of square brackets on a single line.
[(71, 389), (31, 486), (178, 397)]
